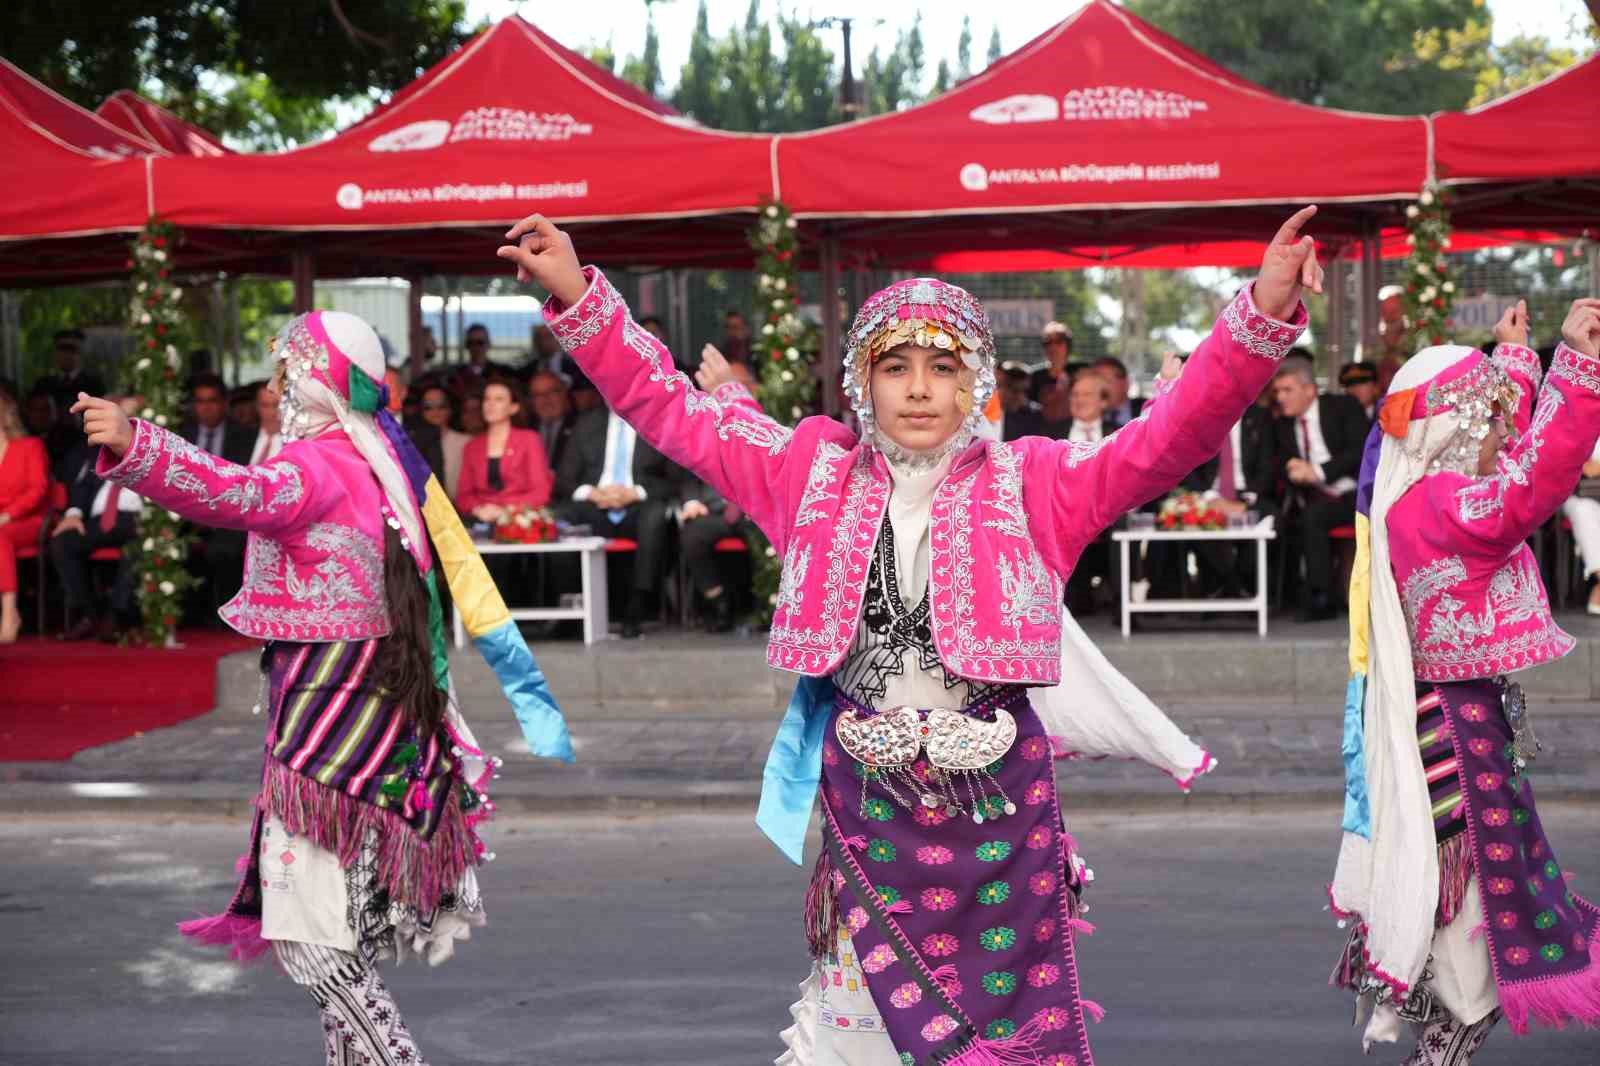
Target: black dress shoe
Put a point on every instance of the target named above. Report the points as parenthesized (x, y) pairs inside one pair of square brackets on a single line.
[(1320, 609), (721, 620), (82, 629), (630, 629)]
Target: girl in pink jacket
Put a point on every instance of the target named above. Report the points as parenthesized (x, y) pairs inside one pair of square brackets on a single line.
[(365, 843), (923, 569)]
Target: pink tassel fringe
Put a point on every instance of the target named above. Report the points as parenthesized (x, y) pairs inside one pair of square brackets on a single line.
[(1019, 1049), (1094, 1010), (414, 870), (822, 909), (899, 906), (241, 936), (1456, 867), (1554, 1003), (1079, 925)]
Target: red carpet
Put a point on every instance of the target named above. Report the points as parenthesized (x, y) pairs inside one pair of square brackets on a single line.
[(57, 698)]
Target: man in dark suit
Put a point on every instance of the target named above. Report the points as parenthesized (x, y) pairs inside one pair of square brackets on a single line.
[(613, 481), (1317, 445), (553, 415), (1055, 343), (70, 378), (99, 515), (1120, 407), (1020, 416), (221, 554)]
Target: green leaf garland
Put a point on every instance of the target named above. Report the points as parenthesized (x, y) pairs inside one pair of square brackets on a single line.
[(156, 323), (1429, 291)]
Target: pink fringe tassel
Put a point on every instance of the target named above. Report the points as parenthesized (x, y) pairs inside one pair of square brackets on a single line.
[(822, 909), (899, 906), (1079, 925), (413, 870), (1094, 1010), (1455, 874), (1019, 1049), (1477, 931), (1554, 1003), (241, 936), (858, 842)]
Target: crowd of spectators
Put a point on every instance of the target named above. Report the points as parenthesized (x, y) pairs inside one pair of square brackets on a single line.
[(502, 438)]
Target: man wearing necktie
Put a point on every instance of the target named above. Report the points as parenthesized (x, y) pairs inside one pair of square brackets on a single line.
[(269, 432), (620, 487), (98, 515), (220, 560), (1319, 445)]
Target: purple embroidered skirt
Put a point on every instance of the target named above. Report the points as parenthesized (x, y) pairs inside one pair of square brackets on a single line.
[(963, 927), (1542, 936)]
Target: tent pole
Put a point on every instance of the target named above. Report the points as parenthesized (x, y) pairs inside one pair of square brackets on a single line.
[(414, 323), (1338, 308), (1594, 269), (832, 327), (1371, 260), (11, 334), (304, 269)]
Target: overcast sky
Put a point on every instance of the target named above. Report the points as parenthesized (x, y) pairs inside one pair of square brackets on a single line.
[(622, 22)]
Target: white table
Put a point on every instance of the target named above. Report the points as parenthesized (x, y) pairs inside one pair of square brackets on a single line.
[(591, 561), (1261, 532)]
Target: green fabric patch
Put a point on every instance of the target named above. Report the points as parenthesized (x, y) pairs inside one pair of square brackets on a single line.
[(441, 659), (364, 392)]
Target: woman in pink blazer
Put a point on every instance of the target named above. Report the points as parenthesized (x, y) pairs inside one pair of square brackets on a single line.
[(502, 467)]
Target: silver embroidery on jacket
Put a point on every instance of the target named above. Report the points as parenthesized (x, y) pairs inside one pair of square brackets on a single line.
[(1007, 497), (1254, 331), (1516, 593), (819, 484), (1027, 591), (1427, 581), (1577, 368), (792, 582)]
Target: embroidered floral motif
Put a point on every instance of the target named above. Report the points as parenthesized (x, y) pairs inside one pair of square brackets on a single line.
[(955, 599), (798, 646), (329, 600), (1253, 331), (1516, 593), (1428, 581), (1503, 656), (147, 449), (1081, 451), (1514, 358), (244, 488), (1027, 591), (791, 583), (819, 484), (1007, 498), (1487, 496), (1574, 366)]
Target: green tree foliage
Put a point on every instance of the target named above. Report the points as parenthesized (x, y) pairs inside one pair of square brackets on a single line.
[(1356, 54), (995, 51), (744, 81), (264, 73), (964, 50)]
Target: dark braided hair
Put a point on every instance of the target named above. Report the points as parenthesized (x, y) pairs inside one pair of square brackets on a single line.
[(406, 657)]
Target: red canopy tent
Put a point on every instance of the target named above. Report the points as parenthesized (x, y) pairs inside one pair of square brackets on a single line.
[(1100, 139), (70, 179), (150, 121), (1527, 160), (510, 124)]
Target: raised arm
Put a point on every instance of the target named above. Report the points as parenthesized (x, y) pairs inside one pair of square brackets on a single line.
[(1538, 472), (169, 471), (731, 446)]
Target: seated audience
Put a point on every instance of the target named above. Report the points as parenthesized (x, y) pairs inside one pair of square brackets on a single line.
[(1317, 445), (1120, 407), (705, 517), (1020, 416), (24, 498), (553, 415), (503, 467), (1359, 381), (220, 562), (438, 409), (735, 343), (1088, 405), (269, 423), (614, 482), (99, 514), (242, 406), (69, 378), (1584, 514)]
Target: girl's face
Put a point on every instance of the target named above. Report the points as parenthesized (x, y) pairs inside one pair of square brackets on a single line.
[(920, 396), (1489, 447), (436, 408), (498, 406)]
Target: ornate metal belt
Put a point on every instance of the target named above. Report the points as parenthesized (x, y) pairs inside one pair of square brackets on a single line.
[(959, 752)]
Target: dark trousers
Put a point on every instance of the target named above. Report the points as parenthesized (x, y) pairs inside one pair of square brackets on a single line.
[(1319, 514), (70, 553), (698, 542), (644, 523)]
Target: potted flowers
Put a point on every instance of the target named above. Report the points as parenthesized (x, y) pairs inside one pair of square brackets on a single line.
[(525, 525), (1190, 511)]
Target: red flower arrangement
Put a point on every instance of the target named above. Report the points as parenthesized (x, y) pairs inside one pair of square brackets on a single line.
[(1189, 510), (525, 525)]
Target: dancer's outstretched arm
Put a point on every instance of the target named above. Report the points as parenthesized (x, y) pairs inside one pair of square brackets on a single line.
[(167, 470), (1073, 491), (1540, 469), (721, 437)]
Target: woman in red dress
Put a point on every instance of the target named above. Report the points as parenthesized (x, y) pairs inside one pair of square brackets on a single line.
[(24, 491), (503, 467)]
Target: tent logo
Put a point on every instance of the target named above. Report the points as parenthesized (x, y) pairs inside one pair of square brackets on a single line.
[(974, 177), (1023, 107), (1092, 103), (349, 196), (412, 138)]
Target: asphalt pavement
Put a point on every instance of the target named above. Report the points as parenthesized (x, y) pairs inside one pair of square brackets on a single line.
[(676, 940)]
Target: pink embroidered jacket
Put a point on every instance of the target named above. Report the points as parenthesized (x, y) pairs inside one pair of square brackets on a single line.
[(1008, 521), (1474, 601), (313, 568)]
